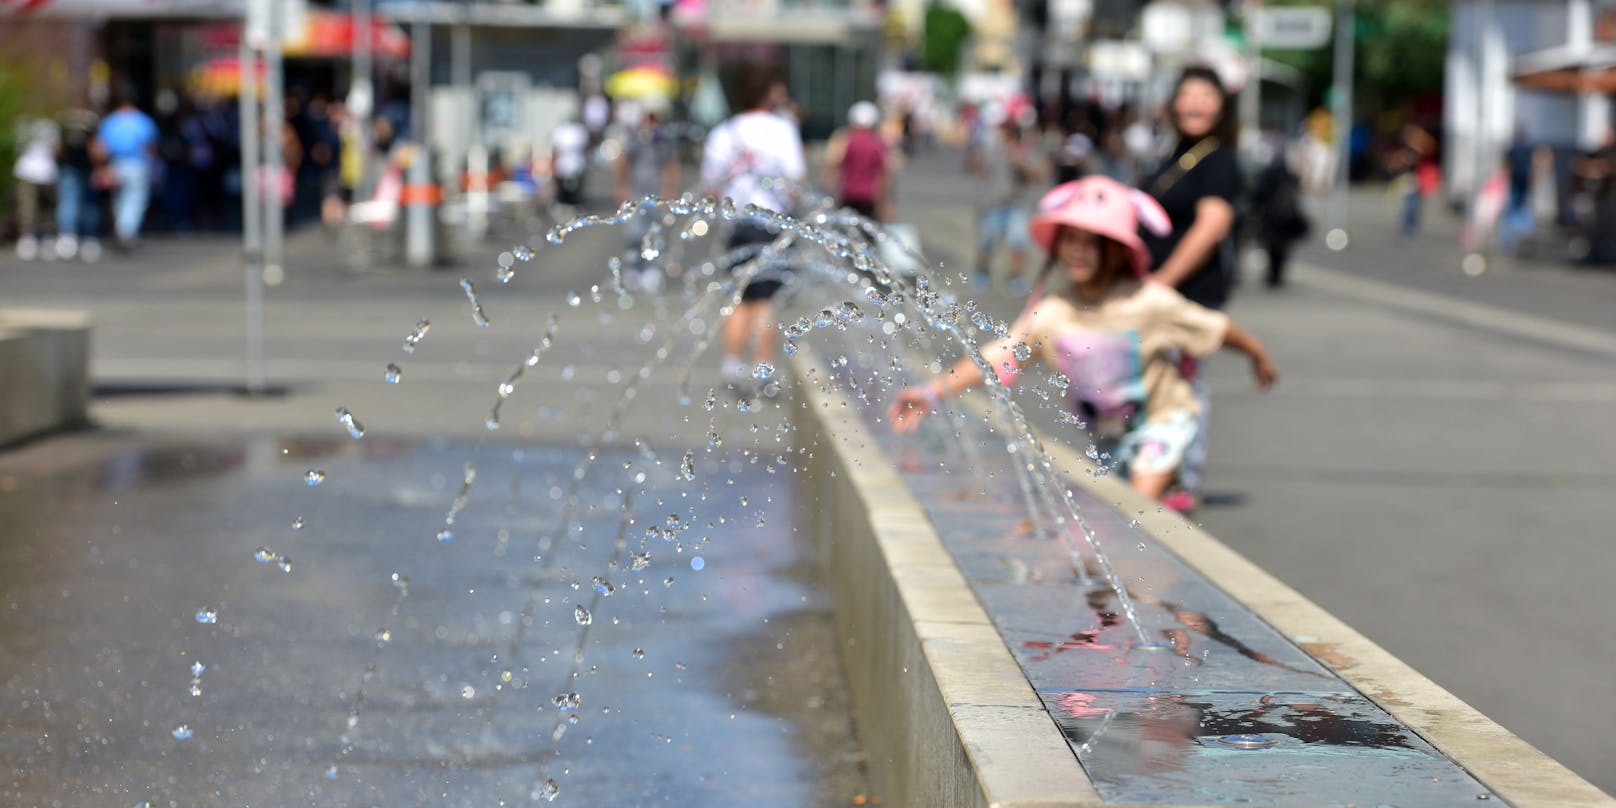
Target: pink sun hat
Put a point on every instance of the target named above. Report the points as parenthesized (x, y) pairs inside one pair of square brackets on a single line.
[(1105, 207)]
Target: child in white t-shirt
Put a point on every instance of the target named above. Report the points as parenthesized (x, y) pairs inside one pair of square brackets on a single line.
[(754, 158), (1116, 336)]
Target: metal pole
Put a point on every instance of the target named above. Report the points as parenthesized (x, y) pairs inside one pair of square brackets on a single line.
[(418, 214), (1345, 23), (1251, 94), (274, 159), (466, 101), (252, 238), (1481, 138), (362, 93)]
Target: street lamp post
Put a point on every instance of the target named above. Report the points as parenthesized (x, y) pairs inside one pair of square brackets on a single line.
[(1345, 22)]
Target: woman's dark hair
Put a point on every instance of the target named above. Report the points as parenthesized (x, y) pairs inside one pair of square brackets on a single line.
[(753, 84), (1227, 126)]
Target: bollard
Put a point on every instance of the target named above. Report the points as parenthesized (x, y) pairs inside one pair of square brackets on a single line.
[(420, 199)]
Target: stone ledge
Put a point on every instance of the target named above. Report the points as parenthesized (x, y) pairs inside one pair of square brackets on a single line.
[(44, 371), (944, 712)]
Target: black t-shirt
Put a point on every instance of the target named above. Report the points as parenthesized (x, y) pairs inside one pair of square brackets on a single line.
[(1217, 174)]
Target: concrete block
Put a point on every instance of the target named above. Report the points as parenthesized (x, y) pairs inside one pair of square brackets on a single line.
[(44, 371)]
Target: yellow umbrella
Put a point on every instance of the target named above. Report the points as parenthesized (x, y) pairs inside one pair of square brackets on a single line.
[(641, 82)]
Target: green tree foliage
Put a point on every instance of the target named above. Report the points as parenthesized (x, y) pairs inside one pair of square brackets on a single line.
[(1401, 49), (946, 30)]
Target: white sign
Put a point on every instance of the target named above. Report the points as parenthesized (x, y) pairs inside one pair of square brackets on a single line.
[(1299, 28), (1119, 60)]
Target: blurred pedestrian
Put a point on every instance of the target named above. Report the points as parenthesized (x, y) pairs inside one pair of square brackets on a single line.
[(82, 174), (647, 165), (1006, 167), (857, 162), (35, 172), (754, 158), (1276, 204), (569, 160), (1518, 221), (130, 138), (1116, 335), (1198, 185), (1414, 176)]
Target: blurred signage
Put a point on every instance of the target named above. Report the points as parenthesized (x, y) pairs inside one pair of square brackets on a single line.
[(502, 105), (1299, 28), (102, 9), (1129, 61), (1168, 27)]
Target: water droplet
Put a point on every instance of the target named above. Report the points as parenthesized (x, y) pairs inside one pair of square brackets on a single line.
[(331, 772), (522, 252), (314, 477), (547, 792), (1022, 351), (264, 555), (207, 615), (297, 524), (477, 314), (286, 563), (603, 586), (414, 337), (506, 675), (574, 300), (468, 692), (790, 348), (582, 615), (687, 466), (197, 669), (401, 582), (181, 731), (196, 688), (347, 419), (698, 563), (763, 372), (668, 581), (641, 561), (712, 400), (639, 653), (393, 374), (446, 535)]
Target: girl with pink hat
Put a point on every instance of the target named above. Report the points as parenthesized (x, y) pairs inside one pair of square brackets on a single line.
[(1116, 336)]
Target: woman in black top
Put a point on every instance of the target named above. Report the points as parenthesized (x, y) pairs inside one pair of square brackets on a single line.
[(1197, 186)]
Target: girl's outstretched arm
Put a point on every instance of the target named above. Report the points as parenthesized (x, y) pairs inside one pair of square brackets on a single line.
[(1262, 367), (912, 403)]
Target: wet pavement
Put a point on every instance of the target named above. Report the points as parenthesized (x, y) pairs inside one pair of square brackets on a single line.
[(1204, 703), (710, 681)]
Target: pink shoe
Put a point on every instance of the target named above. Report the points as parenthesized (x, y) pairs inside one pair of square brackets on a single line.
[(1179, 501)]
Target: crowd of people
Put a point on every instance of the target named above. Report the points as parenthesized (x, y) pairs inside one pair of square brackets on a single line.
[(177, 168)]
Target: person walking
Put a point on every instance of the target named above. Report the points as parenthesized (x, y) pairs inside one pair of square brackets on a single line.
[(82, 176), (1198, 185), (1276, 205), (1006, 167), (1114, 334), (130, 138), (857, 163), (754, 158), (648, 165), (35, 172), (569, 160)]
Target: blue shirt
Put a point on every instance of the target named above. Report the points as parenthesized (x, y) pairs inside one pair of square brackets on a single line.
[(128, 133)]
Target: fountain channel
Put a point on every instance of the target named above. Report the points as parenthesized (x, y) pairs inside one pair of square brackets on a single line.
[(502, 621)]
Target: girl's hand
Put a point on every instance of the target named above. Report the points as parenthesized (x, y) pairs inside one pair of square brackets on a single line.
[(1263, 370), (909, 406)]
